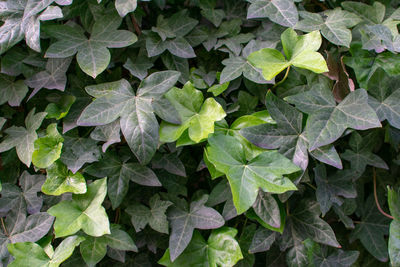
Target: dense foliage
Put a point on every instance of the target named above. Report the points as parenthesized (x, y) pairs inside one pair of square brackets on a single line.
[(199, 133)]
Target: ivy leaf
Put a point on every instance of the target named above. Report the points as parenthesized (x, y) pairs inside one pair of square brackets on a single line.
[(329, 189), (22, 228), (246, 178), (300, 52), (82, 212), (92, 54), (365, 63), (220, 249), (214, 15), (394, 230), (78, 151), (184, 220), (267, 209), (12, 196), (93, 249), (236, 66), (22, 19), (180, 48), (262, 240), (283, 12), (23, 138), (12, 91), (138, 122), (31, 254), (110, 133), (361, 154), (48, 148), (60, 180), (171, 163), (335, 27), (197, 117), (320, 256), (54, 77), (125, 6), (338, 73), (304, 222), (139, 65), (288, 135), (154, 216), (119, 172), (328, 121), (384, 95), (374, 14), (173, 28), (178, 25), (59, 106), (371, 230)]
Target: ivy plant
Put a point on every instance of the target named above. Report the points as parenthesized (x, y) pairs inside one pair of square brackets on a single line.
[(199, 133)]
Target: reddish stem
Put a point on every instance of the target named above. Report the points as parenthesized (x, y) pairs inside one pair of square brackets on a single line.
[(376, 197)]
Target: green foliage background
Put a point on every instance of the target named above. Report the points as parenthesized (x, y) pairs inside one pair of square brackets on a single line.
[(199, 133)]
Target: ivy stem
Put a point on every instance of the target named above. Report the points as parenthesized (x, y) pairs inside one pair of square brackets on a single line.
[(117, 215), (376, 197), (312, 186), (284, 78), (287, 208), (4, 227), (136, 25), (244, 225)]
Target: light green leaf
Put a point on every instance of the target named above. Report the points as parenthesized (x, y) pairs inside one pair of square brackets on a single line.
[(23, 138), (394, 230), (29, 254), (221, 249), (196, 116), (264, 171), (48, 148), (300, 52), (61, 108), (60, 180), (82, 212), (394, 243)]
